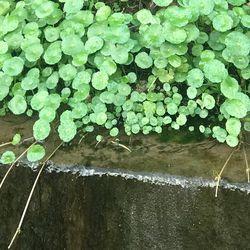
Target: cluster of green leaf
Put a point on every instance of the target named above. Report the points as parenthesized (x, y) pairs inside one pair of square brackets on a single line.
[(185, 65)]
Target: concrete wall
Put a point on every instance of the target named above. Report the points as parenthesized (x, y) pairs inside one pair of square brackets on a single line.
[(84, 213)]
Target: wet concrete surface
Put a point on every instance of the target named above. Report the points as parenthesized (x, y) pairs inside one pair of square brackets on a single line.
[(176, 153), (159, 196), (74, 212)]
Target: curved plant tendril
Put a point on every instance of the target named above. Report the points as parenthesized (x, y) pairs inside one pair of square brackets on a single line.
[(121, 145)]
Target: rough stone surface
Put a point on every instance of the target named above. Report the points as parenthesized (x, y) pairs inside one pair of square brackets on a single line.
[(76, 213)]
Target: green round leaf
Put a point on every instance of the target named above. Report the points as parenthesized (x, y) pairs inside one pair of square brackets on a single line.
[(93, 44), (7, 157), (13, 66), (51, 34), (114, 132), (222, 22), (236, 2), (41, 130), (233, 126), (38, 100), (237, 43), (67, 72), (208, 101), (219, 133), (205, 7), (47, 114), (17, 105), (232, 141), (72, 45), (53, 53), (67, 131), (215, 71), (181, 119), (45, 9), (143, 60), (195, 78), (100, 80), (16, 139), (229, 87), (236, 108), (245, 20), (174, 34), (35, 153), (144, 16), (3, 47)]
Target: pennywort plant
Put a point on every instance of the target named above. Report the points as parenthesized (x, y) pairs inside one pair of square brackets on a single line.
[(184, 63)]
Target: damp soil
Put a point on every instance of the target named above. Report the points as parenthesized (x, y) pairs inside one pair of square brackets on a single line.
[(173, 153)]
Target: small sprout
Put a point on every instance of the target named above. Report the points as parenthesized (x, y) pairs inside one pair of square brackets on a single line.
[(99, 138), (114, 132), (35, 153), (7, 158), (16, 139)]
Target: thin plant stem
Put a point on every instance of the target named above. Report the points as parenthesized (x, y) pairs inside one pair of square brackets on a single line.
[(218, 177), (18, 230), (5, 144), (246, 161), (14, 163), (10, 142), (121, 145)]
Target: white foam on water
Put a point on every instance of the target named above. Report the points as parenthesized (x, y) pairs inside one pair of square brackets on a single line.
[(148, 177)]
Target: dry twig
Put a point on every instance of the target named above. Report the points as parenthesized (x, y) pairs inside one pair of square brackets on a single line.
[(18, 230), (218, 177)]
